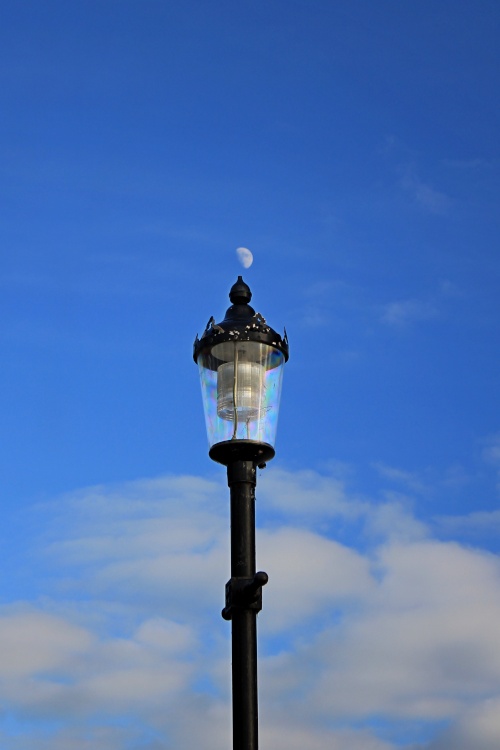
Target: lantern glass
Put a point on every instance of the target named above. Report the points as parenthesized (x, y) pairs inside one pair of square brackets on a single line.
[(241, 388)]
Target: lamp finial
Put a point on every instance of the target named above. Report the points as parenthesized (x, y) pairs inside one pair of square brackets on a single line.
[(240, 293)]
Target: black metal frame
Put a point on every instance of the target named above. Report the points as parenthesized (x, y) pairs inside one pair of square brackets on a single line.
[(241, 323), (230, 451)]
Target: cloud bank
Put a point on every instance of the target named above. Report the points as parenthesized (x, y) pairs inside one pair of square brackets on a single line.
[(385, 639)]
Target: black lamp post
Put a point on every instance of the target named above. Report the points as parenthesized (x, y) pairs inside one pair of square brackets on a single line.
[(241, 364)]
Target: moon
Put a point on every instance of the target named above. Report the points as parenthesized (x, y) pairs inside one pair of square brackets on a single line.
[(244, 256)]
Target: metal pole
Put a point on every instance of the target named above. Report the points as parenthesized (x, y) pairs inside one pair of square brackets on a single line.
[(243, 601)]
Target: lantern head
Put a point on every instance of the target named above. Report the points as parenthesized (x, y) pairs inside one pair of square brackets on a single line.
[(241, 366)]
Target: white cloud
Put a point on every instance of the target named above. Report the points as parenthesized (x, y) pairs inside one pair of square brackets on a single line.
[(403, 629), (310, 574), (33, 643), (431, 199), (393, 520), (53, 668), (326, 301), (134, 539), (73, 738), (403, 312), (426, 196), (477, 729), (309, 495), (400, 313), (491, 454), (407, 478), (474, 164), (285, 733), (420, 645), (484, 523)]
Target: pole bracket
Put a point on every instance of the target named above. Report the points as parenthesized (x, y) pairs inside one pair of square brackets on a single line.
[(244, 593)]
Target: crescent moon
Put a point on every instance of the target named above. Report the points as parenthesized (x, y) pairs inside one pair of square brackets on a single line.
[(244, 256)]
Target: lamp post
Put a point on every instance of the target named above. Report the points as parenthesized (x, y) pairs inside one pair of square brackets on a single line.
[(241, 364)]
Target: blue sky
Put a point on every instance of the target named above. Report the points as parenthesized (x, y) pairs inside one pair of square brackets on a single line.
[(353, 147)]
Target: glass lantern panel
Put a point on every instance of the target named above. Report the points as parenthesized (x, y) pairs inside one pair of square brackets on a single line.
[(241, 388)]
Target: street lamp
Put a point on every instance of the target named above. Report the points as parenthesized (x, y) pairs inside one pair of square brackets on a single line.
[(241, 364)]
